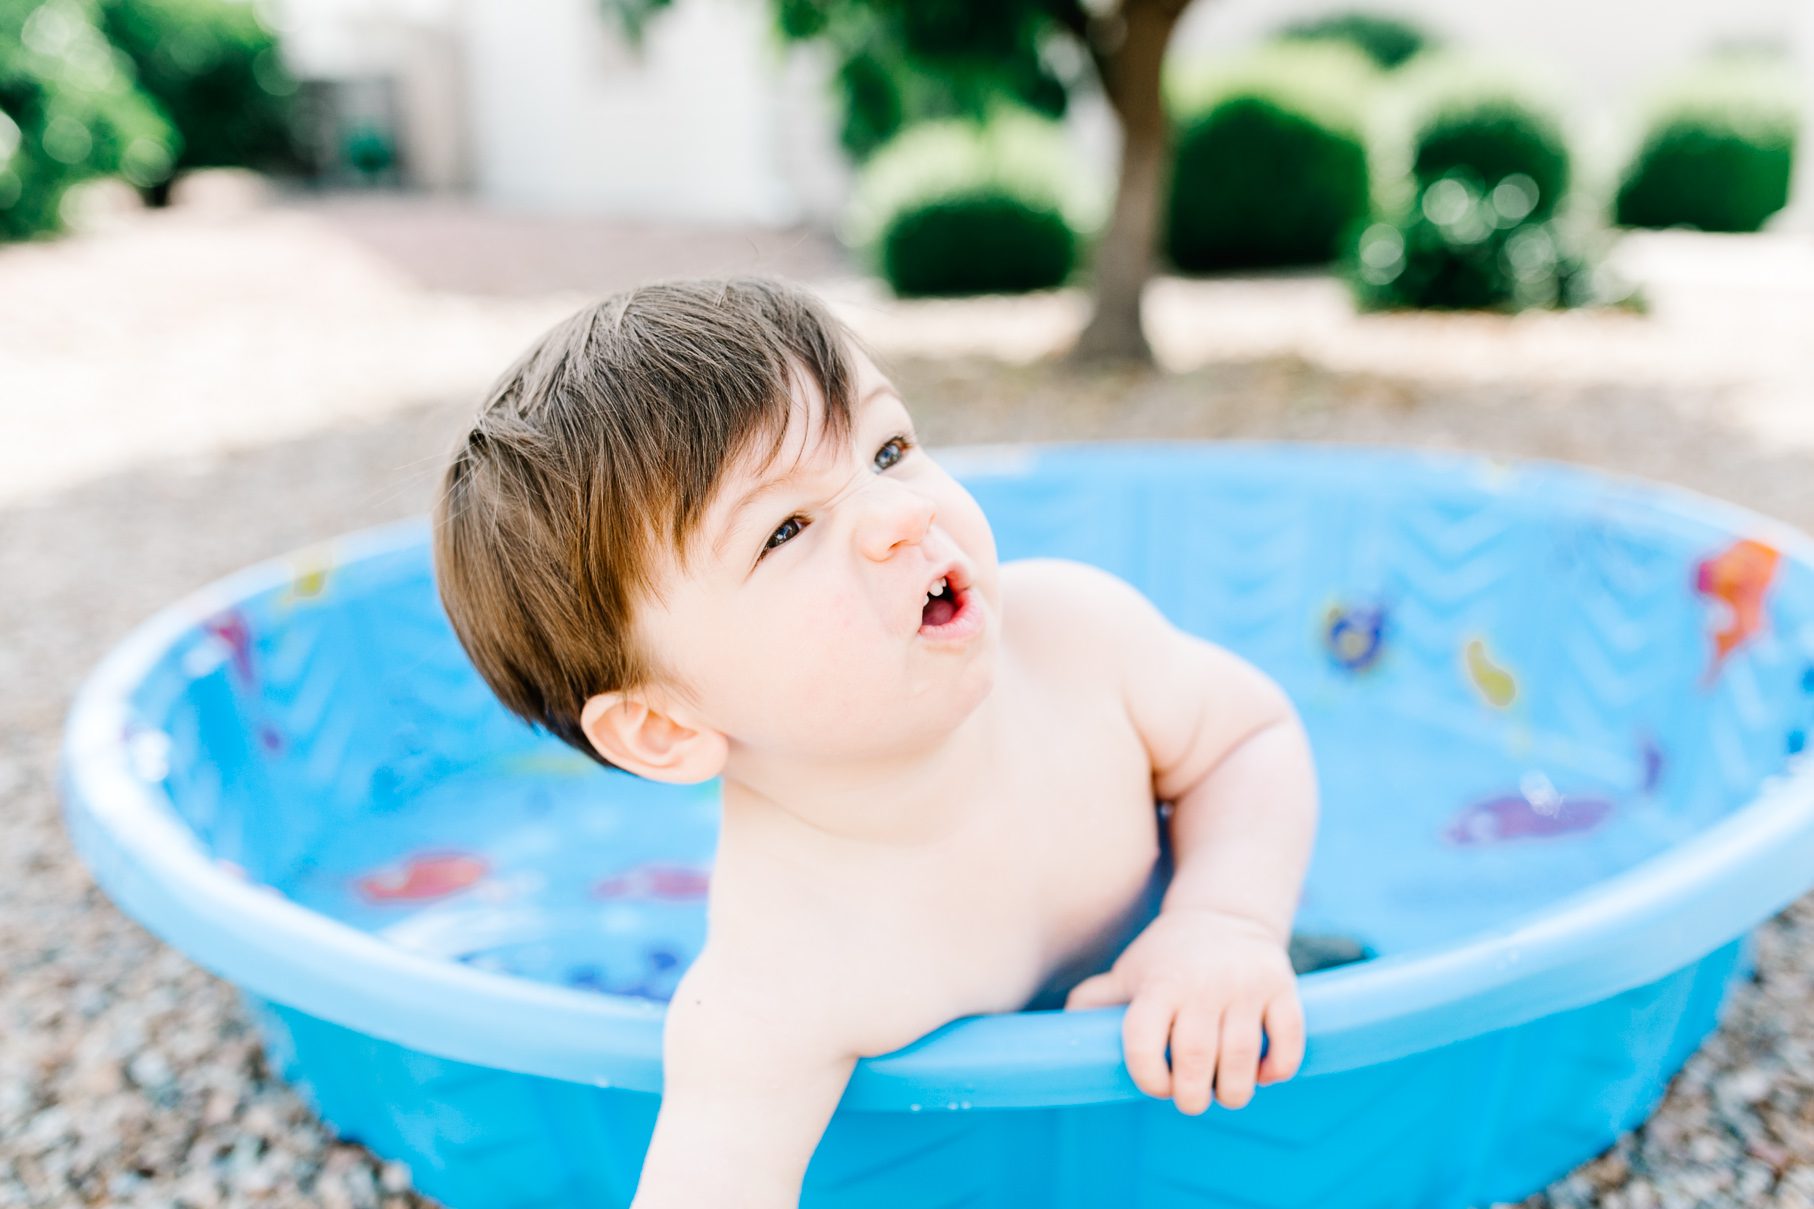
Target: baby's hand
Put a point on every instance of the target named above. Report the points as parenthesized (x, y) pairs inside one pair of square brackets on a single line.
[(1205, 979)]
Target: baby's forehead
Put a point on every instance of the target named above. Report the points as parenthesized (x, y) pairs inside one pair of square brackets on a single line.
[(770, 453)]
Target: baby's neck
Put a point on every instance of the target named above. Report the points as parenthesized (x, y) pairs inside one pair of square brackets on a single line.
[(917, 798)]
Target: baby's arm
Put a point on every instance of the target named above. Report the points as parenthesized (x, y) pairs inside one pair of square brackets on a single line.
[(750, 1081), (1230, 753)]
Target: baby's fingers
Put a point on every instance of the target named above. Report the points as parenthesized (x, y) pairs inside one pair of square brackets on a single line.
[(1143, 1032), (1194, 1035), (1239, 1058), (1284, 1038)]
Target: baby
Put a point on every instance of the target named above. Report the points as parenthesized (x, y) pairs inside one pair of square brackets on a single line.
[(940, 772)]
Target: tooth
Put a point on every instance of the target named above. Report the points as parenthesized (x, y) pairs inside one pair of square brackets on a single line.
[(938, 589)]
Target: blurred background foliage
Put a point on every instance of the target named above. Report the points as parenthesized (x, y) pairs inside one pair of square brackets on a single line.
[(1461, 114), (1387, 41), (899, 64), (1354, 141), (70, 110), (134, 89), (1717, 150), (953, 206), (1426, 176), (214, 69), (1289, 116), (904, 64)]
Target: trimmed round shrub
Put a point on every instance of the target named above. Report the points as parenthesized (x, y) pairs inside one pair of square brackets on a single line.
[(1718, 153), (1468, 118), (68, 112), (1388, 41), (987, 242), (1269, 165), (953, 207), (213, 66), (1464, 245)]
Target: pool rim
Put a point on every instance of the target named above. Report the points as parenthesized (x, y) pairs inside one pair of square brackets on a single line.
[(1622, 932)]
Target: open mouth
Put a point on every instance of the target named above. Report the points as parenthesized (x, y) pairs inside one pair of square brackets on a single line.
[(949, 611), (941, 606)]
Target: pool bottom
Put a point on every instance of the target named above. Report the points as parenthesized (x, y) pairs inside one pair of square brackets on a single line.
[(1493, 1118), (600, 883)]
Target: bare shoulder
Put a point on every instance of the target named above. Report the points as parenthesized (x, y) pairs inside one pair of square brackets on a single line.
[(1077, 609), (1190, 699), (1065, 583)]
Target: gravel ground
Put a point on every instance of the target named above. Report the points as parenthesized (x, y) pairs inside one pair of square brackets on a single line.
[(192, 391)]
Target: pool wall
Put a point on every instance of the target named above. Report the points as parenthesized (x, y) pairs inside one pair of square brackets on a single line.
[(1553, 616)]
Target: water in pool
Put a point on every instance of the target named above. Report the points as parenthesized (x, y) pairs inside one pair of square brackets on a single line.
[(528, 869)]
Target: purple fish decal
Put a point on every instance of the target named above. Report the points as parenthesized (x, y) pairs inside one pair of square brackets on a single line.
[(1520, 816), (1651, 752), (655, 881)]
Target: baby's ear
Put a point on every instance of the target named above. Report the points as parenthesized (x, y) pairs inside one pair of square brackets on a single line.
[(637, 737)]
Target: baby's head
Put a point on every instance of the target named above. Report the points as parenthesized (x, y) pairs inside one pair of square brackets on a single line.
[(603, 569)]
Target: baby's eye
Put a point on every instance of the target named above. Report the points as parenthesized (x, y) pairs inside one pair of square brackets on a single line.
[(900, 438)]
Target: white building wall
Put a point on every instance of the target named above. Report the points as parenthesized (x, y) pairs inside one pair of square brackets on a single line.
[(565, 116)]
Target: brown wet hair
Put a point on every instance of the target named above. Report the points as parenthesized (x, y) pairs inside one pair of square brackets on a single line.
[(593, 461)]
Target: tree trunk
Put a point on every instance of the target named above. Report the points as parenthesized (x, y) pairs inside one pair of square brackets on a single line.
[(157, 196), (1128, 57)]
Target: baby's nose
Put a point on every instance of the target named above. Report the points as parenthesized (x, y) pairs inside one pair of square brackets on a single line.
[(892, 515)]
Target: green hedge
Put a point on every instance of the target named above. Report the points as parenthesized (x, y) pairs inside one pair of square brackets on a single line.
[(1463, 245), (983, 242), (69, 111), (953, 207), (1718, 151), (1270, 162), (1459, 115)]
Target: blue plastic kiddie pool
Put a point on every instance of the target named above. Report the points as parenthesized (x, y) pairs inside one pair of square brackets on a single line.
[(1559, 721)]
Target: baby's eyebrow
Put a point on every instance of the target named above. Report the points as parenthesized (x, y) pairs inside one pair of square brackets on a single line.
[(765, 488)]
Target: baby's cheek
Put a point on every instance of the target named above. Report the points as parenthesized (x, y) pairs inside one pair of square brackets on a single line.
[(833, 624)]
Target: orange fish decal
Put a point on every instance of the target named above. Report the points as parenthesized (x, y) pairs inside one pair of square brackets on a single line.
[(1738, 577), (423, 876)]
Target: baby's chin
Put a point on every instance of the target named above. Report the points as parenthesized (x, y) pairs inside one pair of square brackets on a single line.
[(969, 686)]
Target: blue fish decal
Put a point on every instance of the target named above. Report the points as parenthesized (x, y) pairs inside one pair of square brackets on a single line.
[(1355, 636)]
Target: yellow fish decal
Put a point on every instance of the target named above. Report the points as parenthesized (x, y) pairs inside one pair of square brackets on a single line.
[(309, 581), (1495, 683)]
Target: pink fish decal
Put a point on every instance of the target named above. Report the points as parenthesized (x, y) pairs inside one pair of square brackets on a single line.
[(426, 875), (231, 628), (655, 881), (1516, 817)]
